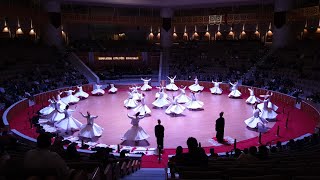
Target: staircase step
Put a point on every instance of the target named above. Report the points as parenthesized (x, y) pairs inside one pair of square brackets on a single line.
[(147, 173)]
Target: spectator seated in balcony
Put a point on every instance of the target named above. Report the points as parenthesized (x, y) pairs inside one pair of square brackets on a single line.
[(251, 156), (195, 156), (42, 159)]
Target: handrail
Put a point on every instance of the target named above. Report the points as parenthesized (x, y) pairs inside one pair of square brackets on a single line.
[(86, 71)]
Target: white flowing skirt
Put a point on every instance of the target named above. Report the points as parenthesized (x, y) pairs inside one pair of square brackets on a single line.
[(254, 121), (196, 87), (165, 95), (62, 105), (70, 99), (252, 100), (216, 90), (135, 133), (145, 87), (54, 116), (195, 104), (90, 131), (235, 93), (161, 102), (175, 109), (81, 94), (136, 96), (183, 98), (130, 103), (98, 92), (172, 87), (142, 109), (68, 124), (268, 114), (270, 106), (113, 90), (46, 110)]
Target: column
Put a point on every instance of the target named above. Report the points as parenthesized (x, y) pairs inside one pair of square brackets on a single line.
[(51, 29), (166, 40), (282, 35)]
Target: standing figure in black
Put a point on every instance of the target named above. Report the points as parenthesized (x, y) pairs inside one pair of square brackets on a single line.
[(220, 128), (159, 133)]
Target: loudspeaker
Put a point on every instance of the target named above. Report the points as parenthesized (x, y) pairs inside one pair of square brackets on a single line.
[(166, 24), (280, 19), (55, 19)]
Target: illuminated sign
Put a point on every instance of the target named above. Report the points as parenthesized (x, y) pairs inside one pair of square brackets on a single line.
[(117, 58)]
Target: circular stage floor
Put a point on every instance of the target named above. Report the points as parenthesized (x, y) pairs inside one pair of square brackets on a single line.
[(199, 124)]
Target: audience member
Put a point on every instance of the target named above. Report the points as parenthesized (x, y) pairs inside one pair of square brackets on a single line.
[(42, 158)]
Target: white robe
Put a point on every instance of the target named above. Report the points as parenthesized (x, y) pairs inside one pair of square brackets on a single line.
[(91, 129), (112, 89), (98, 91), (182, 97), (253, 121), (216, 89), (70, 98), (145, 86), (172, 86), (234, 91), (136, 132), (196, 87), (143, 109), (266, 112), (130, 102), (68, 123), (175, 108), (81, 93), (252, 99), (194, 103), (161, 101)]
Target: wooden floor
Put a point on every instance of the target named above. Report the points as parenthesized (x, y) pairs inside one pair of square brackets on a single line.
[(199, 124)]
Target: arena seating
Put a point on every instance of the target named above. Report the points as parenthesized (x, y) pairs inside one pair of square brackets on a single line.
[(88, 166), (30, 68), (295, 160)]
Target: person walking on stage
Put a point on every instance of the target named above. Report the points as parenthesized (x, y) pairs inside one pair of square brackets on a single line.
[(220, 128), (159, 133)]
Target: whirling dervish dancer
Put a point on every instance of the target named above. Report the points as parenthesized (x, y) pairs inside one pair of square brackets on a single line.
[(61, 104), (196, 87), (91, 129), (54, 116), (47, 110), (182, 97), (98, 91), (112, 89), (216, 89), (172, 86), (194, 103), (175, 107), (81, 94), (252, 99), (256, 119), (68, 123), (135, 94), (267, 96), (70, 98), (136, 132), (161, 101), (268, 110), (143, 109), (161, 90), (234, 90), (146, 86), (130, 102)]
